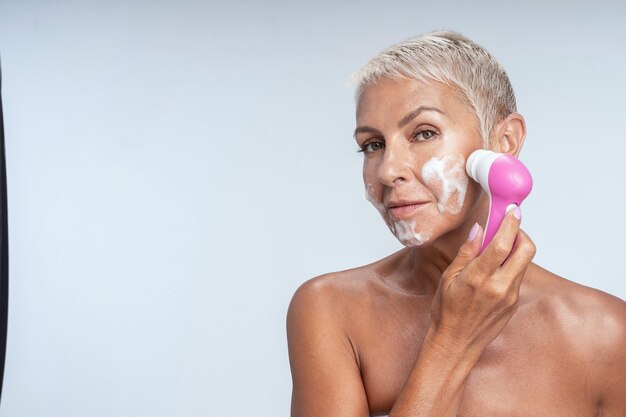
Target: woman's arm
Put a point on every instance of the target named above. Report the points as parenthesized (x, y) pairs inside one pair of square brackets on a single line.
[(476, 297), (326, 377)]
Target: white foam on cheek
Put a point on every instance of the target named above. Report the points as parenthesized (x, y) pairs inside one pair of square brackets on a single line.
[(369, 196), (403, 230), (449, 174)]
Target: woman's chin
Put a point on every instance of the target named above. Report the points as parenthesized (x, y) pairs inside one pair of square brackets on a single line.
[(407, 235), (415, 242)]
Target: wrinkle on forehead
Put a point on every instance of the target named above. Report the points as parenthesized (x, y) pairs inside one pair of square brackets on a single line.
[(386, 97)]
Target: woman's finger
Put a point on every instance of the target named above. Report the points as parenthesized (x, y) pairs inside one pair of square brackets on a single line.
[(500, 246), (521, 255), (468, 251)]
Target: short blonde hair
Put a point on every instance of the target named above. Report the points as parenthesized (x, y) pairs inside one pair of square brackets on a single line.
[(451, 58)]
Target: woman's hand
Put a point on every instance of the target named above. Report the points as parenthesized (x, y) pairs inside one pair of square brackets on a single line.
[(478, 294), (476, 297)]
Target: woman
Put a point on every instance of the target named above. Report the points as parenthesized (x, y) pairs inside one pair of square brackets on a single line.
[(439, 329)]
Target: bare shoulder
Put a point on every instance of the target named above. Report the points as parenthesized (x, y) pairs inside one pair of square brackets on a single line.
[(589, 326), (324, 363), (343, 290), (333, 295), (597, 318), (333, 284)]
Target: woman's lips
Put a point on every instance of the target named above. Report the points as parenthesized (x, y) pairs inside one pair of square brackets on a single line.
[(400, 211)]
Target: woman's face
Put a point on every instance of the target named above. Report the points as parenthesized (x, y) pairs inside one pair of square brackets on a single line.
[(415, 138)]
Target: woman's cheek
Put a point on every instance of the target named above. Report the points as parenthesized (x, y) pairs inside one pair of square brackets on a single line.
[(403, 230), (447, 179), (369, 196)]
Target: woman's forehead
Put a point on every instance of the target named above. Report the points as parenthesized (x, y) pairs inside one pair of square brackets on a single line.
[(388, 98)]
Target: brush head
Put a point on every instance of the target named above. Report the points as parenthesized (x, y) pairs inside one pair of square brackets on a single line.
[(478, 165), (500, 174)]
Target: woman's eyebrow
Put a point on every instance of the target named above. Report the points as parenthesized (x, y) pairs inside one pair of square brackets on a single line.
[(365, 129), (406, 119), (413, 114)]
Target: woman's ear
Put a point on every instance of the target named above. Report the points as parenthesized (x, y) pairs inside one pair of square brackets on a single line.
[(509, 135)]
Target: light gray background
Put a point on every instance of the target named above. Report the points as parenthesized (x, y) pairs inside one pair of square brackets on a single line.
[(177, 169)]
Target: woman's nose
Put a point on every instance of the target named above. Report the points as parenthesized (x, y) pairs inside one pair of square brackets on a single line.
[(395, 165)]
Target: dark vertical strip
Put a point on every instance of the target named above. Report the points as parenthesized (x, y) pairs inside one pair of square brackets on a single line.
[(4, 248)]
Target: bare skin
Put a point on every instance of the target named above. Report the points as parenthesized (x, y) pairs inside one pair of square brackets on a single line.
[(438, 329)]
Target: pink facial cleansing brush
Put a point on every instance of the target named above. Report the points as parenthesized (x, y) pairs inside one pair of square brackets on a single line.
[(505, 179)]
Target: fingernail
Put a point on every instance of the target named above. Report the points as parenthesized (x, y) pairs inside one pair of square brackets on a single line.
[(517, 212), (473, 232)]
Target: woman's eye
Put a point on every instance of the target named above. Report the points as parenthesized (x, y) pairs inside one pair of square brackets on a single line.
[(425, 134), (372, 146)]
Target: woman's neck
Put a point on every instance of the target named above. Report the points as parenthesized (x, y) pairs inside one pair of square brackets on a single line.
[(419, 269)]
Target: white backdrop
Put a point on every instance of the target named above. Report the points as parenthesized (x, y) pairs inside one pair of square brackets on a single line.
[(177, 169)]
